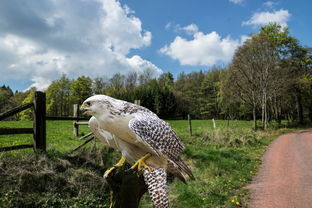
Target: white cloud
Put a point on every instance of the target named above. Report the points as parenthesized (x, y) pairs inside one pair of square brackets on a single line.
[(137, 63), (244, 38), (190, 29), (269, 4), (177, 28), (44, 39), (204, 49), (168, 25), (123, 32), (237, 1), (39, 83), (263, 18)]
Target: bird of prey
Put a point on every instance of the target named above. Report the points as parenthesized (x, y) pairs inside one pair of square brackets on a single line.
[(141, 136)]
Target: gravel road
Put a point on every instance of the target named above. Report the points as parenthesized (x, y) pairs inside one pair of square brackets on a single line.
[(285, 177)]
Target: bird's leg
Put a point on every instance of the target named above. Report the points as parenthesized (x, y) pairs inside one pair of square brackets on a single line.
[(118, 164), (140, 163)]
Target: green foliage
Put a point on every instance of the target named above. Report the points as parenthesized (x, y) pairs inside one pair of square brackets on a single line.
[(277, 34), (5, 94), (210, 99), (266, 73), (187, 90), (81, 89), (27, 114), (98, 85), (157, 98), (58, 97), (166, 80)]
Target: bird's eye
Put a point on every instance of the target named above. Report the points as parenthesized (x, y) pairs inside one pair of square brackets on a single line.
[(88, 103)]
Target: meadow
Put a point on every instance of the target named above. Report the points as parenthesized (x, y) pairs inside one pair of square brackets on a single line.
[(223, 160)]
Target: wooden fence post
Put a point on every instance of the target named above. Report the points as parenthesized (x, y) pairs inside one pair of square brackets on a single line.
[(75, 125), (214, 123), (137, 102), (189, 124), (40, 121)]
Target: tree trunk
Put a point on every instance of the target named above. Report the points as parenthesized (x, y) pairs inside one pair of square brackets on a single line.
[(299, 108), (310, 106), (254, 118), (262, 111), (277, 111), (310, 112), (265, 111), (254, 112)]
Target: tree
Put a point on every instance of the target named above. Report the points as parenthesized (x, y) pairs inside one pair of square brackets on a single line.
[(58, 97), (116, 87), (293, 59), (265, 68), (187, 90), (243, 79), (210, 94), (166, 79), (157, 98), (308, 83), (265, 60), (99, 85), (81, 89), (117, 81), (27, 114), (5, 94), (131, 80), (146, 75)]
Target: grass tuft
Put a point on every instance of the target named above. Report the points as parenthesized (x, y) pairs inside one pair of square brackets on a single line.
[(50, 181)]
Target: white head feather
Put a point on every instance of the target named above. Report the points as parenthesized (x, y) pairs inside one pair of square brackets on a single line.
[(100, 105)]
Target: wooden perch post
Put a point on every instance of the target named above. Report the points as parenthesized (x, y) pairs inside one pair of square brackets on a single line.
[(127, 188)]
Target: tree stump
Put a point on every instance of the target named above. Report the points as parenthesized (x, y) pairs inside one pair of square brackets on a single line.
[(127, 187)]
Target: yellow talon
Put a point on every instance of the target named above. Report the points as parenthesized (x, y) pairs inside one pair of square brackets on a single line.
[(107, 172), (118, 164), (140, 163)]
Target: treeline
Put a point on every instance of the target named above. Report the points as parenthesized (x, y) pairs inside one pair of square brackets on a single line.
[(269, 79), (271, 74)]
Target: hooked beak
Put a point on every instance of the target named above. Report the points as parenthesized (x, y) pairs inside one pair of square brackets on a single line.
[(84, 109)]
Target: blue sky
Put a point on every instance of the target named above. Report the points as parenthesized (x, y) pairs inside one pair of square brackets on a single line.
[(41, 40)]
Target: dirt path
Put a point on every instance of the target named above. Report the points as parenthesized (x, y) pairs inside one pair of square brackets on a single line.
[(285, 177)]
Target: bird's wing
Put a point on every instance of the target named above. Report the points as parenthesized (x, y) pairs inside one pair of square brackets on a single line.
[(156, 181), (157, 134)]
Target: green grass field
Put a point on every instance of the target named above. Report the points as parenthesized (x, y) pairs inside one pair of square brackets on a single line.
[(223, 161)]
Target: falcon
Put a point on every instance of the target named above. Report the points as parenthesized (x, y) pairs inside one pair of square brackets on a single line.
[(141, 136)]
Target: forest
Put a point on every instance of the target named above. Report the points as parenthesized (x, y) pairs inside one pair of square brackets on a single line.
[(268, 80)]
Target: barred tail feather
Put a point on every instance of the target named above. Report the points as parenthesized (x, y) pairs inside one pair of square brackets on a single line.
[(176, 171), (179, 164), (156, 181), (184, 167)]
